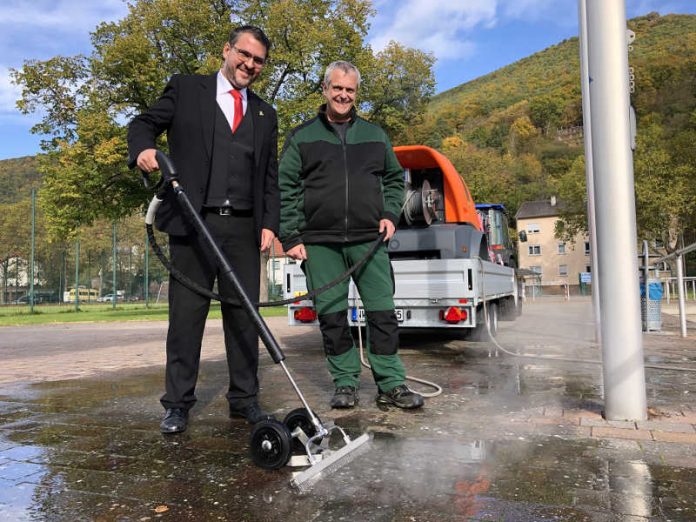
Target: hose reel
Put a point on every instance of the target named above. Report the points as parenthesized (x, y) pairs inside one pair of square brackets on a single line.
[(421, 204)]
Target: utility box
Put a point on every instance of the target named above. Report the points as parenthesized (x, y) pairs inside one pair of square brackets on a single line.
[(651, 305)]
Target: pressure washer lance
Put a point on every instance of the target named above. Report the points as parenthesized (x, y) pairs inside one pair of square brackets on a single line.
[(271, 440)]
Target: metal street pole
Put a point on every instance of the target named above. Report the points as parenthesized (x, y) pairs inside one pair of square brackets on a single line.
[(16, 291), (77, 275), (589, 171), (63, 277), (147, 271), (682, 303), (617, 255), (130, 271), (33, 250), (114, 296), (273, 265), (89, 274)]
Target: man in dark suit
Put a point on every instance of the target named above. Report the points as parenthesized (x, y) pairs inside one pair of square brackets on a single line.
[(223, 140)]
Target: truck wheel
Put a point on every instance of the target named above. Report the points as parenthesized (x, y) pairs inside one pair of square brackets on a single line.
[(493, 319), (520, 289), (480, 332), (507, 310)]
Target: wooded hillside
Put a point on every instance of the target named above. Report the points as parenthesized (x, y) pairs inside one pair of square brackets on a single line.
[(17, 177)]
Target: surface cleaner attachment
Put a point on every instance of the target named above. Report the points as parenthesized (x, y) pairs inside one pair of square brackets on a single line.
[(302, 432)]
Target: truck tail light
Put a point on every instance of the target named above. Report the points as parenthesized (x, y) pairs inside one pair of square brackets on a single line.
[(453, 315), (305, 314)]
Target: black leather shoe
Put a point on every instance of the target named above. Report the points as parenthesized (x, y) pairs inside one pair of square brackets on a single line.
[(252, 412), (345, 397), (175, 420), (401, 397)]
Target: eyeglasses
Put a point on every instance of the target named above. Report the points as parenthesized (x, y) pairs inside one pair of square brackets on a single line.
[(246, 56)]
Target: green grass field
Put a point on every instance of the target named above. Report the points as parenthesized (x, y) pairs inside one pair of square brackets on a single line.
[(15, 315)]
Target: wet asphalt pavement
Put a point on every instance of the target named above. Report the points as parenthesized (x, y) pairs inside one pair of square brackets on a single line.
[(509, 439)]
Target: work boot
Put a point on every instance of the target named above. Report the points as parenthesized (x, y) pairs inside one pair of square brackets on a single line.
[(401, 397), (344, 397)]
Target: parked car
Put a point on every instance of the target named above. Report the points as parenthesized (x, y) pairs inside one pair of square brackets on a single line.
[(39, 298), (109, 298)]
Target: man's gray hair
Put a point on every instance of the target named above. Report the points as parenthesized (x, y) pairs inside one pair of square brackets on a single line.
[(346, 67)]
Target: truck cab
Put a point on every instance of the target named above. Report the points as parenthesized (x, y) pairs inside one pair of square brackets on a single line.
[(495, 224)]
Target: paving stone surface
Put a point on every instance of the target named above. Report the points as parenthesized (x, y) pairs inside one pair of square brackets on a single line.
[(509, 438)]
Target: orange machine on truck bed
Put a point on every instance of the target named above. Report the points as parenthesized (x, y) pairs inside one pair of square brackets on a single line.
[(425, 163)]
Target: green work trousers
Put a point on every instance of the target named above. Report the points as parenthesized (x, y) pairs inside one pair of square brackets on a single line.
[(324, 263)]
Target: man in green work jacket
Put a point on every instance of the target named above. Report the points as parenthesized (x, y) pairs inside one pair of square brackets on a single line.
[(341, 185)]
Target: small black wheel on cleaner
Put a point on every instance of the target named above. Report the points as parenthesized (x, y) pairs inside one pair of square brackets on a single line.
[(270, 444), (300, 417)]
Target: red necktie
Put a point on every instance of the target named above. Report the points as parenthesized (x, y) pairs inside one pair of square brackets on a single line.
[(238, 110)]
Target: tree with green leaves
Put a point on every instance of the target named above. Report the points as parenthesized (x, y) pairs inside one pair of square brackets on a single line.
[(665, 188), (570, 188), (15, 247), (86, 100)]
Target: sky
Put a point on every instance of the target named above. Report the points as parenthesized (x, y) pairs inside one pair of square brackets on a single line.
[(469, 38)]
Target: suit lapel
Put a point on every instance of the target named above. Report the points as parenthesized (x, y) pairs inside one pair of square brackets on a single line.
[(208, 102)]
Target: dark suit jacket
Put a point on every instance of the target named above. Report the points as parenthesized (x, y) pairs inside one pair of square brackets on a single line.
[(186, 111)]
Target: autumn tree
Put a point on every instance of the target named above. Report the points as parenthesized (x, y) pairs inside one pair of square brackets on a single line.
[(522, 134), (571, 189), (665, 188), (15, 246), (492, 177)]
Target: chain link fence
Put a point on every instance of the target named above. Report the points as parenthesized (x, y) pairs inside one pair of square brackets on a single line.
[(108, 262)]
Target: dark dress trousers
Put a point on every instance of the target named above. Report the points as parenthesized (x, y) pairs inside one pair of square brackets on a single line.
[(214, 167)]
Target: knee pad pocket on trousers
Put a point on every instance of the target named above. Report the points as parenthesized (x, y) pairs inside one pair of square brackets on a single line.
[(384, 332), (336, 333)]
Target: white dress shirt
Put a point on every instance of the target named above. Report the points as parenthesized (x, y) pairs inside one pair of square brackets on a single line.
[(225, 100)]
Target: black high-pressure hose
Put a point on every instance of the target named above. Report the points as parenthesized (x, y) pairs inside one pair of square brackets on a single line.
[(160, 191), (192, 285)]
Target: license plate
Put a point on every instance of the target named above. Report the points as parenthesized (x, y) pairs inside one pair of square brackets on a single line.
[(358, 315)]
